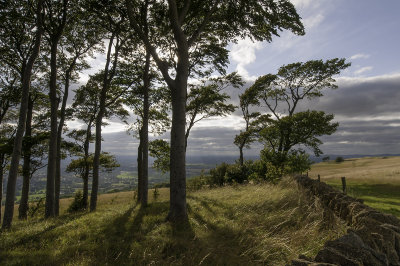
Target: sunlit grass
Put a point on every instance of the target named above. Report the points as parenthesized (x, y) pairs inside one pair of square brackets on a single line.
[(238, 225), (375, 180)]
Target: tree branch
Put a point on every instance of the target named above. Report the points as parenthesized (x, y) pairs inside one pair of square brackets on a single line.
[(200, 29), (162, 65)]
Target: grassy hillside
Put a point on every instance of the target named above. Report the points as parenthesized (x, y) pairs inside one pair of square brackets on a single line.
[(375, 180), (239, 225)]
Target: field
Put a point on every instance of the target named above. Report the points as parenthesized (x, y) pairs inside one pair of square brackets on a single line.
[(375, 180), (235, 225)]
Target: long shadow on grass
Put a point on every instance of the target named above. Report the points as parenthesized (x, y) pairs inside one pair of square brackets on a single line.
[(223, 244), (121, 232), (39, 235)]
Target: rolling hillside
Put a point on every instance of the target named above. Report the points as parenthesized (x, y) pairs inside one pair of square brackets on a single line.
[(376, 180), (238, 225)]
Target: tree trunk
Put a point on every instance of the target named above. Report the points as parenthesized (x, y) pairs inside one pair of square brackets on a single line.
[(145, 132), (1, 181), (85, 192), (87, 166), (26, 82), (241, 160), (26, 168), (52, 156), (99, 120), (97, 151), (178, 209), (57, 182), (140, 167)]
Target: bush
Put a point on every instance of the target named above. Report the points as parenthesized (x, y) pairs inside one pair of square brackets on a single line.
[(36, 207), (326, 159), (339, 159), (77, 204), (235, 173), (298, 162), (217, 175)]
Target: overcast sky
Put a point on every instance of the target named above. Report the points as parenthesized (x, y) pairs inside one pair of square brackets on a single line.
[(366, 105)]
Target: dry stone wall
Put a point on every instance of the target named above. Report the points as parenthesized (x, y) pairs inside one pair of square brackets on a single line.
[(374, 237)]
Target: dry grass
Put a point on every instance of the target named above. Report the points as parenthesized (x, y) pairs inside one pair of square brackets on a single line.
[(240, 225), (375, 180), (368, 169)]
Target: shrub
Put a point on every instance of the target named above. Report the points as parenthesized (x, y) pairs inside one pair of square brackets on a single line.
[(326, 159), (77, 204), (339, 159), (156, 194), (298, 162), (217, 175), (36, 207), (235, 173)]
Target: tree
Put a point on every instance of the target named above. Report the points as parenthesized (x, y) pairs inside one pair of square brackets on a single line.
[(55, 21), (207, 99), (149, 102), (189, 38), (7, 133), (285, 132), (246, 137), (33, 148), (86, 105), (20, 39), (84, 163), (81, 38), (113, 21), (160, 150)]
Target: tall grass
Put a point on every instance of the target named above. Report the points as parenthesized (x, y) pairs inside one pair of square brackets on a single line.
[(236, 225)]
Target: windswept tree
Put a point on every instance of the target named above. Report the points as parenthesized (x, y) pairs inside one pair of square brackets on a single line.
[(284, 131), (190, 38), (7, 133), (113, 20), (81, 38), (20, 38), (246, 137), (86, 105), (78, 167), (148, 100), (208, 99), (34, 148), (55, 20), (205, 99)]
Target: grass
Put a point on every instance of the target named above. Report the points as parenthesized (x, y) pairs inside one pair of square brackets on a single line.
[(376, 180), (236, 225)]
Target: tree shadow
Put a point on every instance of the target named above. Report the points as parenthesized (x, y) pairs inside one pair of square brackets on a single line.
[(121, 232), (221, 239), (37, 236)]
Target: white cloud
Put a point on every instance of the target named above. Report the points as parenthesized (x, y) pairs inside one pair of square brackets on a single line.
[(302, 3), (313, 21), (359, 56), (244, 53), (362, 70)]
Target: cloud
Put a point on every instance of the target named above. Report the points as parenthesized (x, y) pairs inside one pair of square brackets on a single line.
[(359, 56), (244, 53), (365, 107), (362, 97), (313, 21), (362, 70), (302, 3)]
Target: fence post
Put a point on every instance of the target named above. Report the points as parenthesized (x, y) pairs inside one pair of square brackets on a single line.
[(319, 178), (344, 184)]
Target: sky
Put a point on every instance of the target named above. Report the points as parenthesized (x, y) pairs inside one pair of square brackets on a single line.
[(366, 104)]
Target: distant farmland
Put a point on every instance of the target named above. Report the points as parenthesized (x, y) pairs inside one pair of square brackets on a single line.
[(376, 180)]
